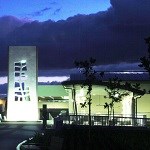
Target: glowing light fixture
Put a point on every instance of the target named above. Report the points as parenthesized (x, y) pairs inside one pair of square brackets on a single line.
[(80, 96), (23, 61)]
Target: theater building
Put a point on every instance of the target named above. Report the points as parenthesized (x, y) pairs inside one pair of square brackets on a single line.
[(26, 98)]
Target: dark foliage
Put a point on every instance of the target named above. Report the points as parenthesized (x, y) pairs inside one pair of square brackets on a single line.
[(145, 61), (114, 93), (104, 138), (86, 68)]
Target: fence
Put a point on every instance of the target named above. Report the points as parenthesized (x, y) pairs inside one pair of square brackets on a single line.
[(105, 121)]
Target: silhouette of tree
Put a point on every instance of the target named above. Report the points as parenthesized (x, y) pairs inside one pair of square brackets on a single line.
[(86, 68), (145, 61), (114, 93), (116, 90)]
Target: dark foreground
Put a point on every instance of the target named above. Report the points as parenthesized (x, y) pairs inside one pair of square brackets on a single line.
[(99, 138), (12, 133)]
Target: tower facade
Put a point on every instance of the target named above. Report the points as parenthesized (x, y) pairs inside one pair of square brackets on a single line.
[(22, 101)]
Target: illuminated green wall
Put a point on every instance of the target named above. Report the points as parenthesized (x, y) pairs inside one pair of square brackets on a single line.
[(97, 101), (97, 107), (51, 90), (143, 105)]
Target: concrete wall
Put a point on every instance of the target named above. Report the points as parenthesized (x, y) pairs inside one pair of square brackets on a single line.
[(143, 105), (98, 101), (97, 106), (54, 105), (22, 84)]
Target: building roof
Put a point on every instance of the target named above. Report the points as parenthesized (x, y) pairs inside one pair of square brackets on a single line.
[(122, 75), (133, 77)]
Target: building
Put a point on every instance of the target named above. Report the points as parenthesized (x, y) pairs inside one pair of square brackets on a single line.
[(26, 98), (126, 107), (55, 97)]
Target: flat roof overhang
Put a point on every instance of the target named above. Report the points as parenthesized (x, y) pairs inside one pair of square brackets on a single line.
[(98, 86)]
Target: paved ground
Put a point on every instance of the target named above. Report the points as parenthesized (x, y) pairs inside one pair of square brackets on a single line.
[(12, 133)]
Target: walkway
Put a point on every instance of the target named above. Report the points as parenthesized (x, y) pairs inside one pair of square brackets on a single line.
[(12, 133)]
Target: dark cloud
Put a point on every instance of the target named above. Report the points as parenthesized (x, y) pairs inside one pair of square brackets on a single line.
[(57, 11), (8, 24), (53, 3), (46, 9), (112, 36), (40, 12), (3, 88), (131, 11)]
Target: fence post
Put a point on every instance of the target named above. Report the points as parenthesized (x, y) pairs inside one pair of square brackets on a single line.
[(44, 116)]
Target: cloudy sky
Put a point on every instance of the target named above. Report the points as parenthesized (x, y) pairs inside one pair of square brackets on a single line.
[(112, 31), (43, 10)]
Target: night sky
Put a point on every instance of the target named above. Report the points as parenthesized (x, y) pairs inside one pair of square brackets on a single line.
[(112, 31)]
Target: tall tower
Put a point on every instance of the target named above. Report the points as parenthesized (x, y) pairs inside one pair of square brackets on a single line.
[(22, 102)]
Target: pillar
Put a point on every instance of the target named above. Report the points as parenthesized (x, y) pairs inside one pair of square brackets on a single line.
[(22, 101)]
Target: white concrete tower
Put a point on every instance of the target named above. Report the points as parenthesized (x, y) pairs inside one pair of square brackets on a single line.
[(22, 101)]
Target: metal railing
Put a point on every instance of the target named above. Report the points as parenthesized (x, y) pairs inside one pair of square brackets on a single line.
[(105, 121)]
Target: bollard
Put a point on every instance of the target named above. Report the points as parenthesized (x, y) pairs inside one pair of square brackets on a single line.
[(44, 116)]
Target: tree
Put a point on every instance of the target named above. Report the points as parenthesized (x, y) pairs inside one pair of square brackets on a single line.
[(115, 94), (86, 68), (116, 90), (145, 61)]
